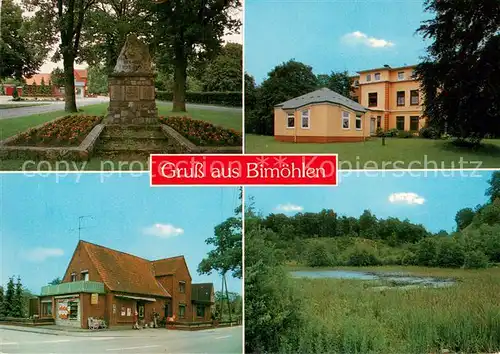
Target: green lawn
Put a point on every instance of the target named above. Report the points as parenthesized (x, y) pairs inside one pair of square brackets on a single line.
[(225, 118), (20, 105), (412, 153)]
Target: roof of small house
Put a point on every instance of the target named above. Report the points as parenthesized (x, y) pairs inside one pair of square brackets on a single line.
[(324, 95), (202, 293), (37, 79), (169, 266), (123, 272)]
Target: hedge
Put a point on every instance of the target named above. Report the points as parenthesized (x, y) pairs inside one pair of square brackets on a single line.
[(220, 98)]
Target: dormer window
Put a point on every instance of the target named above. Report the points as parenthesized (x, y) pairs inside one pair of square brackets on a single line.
[(73, 276), (84, 275)]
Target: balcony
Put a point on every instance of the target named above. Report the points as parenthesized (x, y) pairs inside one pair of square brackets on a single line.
[(73, 287)]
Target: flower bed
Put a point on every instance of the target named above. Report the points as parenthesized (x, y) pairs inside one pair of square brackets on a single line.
[(68, 131), (202, 133)]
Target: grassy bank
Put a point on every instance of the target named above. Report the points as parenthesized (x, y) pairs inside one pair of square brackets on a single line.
[(396, 154), (357, 319)]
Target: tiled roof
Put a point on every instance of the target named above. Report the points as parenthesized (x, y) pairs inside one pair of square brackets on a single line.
[(123, 272), (37, 78), (167, 266), (323, 95), (202, 292), (82, 73)]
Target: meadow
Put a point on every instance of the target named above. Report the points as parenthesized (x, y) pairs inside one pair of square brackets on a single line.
[(351, 316)]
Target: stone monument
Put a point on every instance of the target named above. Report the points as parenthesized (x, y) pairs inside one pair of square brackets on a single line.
[(131, 86)]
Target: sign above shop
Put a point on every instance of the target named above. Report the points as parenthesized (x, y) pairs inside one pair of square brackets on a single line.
[(94, 299)]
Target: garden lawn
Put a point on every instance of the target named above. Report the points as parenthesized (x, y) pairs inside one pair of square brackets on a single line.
[(20, 105), (226, 118), (414, 153), (463, 318)]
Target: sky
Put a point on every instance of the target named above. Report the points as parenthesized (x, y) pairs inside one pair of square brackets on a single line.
[(428, 198), (332, 35), (39, 222)]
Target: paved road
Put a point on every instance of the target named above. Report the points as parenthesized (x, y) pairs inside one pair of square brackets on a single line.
[(47, 107), (222, 340), (59, 106)]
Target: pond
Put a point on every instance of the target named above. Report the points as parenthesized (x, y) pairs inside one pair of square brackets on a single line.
[(391, 279)]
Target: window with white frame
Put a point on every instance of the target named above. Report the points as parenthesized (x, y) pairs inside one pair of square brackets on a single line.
[(358, 123), (290, 120), (73, 276), (401, 75), (345, 120), (84, 275), (377, 76), (305, 120)]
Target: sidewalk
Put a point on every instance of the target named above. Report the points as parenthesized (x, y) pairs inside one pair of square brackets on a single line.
[(72, 331)]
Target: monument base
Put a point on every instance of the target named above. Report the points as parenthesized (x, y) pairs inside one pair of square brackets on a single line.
[(132, 99)]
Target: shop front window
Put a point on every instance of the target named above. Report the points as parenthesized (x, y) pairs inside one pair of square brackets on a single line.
[(73, 310)]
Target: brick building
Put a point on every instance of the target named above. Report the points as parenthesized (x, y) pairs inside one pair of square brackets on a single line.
[(104, 283)]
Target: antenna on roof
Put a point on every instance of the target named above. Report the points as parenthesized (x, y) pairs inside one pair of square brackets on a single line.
[(80, 228)]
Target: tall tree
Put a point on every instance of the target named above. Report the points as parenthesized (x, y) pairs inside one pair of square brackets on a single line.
[(227, 255), (98, 80), (55, 281), (17, 303), (189, 28), (57, 77), (285, 81), (227, 240), (493, 190), (64, 19), (22, 47), (464, 218), (339, 82), (2, 302), (224, 73), (106, 28), (461, 76), (9, 297)]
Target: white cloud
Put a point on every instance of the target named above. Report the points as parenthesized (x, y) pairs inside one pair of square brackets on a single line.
[(406, 198), (358, 37), (288, 208), (40, 254), (163, 230)]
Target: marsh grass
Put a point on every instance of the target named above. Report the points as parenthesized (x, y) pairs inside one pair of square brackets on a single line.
[(348, 316)]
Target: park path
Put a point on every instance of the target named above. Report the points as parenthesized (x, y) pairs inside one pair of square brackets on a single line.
[(59, 106)]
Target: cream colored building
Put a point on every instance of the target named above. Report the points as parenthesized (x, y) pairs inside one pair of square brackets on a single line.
[(388, 98), (392, 96)]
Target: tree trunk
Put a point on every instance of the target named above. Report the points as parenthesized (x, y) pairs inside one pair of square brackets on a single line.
[(180, 73), (69, 83)]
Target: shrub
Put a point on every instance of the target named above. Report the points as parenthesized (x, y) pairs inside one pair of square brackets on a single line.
[(317, 256), (202, 133), (233, 99), (405, 134), (429, 133), (391, 133), (380, 132), (476, 259), (15, 95), (362, 256)]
